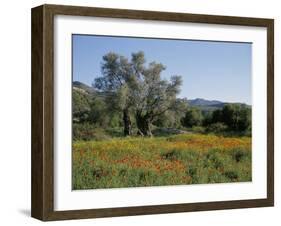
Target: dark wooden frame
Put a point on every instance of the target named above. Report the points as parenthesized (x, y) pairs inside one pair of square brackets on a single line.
[(42, 203)]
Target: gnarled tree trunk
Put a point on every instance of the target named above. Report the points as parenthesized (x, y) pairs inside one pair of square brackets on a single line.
[(127, 123), (143, 124)]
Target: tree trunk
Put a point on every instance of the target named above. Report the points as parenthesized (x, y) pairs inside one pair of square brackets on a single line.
[(127, 123), (143, 125)]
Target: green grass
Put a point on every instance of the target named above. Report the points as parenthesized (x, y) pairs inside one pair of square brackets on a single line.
[(158, 161)]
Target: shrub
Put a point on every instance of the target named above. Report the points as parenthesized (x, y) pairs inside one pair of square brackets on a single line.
[(232, 175), (171, 155), (115, 132), (99, 173), (218, 127), (88, 132), (192, 172), (198, 129), (193, 117), (238, 155), (248, 132), (216, 160)]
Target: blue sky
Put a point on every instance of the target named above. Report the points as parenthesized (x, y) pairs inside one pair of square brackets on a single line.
[(210, 70)]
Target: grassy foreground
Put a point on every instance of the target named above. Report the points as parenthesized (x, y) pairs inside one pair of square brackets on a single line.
[(174, 160)]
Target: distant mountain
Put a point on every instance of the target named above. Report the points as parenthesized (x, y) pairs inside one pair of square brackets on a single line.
[(203, 102), (210, 105), (83, 86), (90, 91)]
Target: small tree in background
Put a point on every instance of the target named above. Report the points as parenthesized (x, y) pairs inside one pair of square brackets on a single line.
[(235, 117), (193, 117)]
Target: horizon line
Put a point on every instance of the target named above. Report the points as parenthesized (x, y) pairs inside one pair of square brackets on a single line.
[(194, 98)]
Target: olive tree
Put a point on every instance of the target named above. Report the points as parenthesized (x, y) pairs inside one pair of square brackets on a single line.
[(114, 82), (153, 96), (133, 86)]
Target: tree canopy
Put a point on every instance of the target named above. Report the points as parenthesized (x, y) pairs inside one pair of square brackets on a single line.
[(134, 87)]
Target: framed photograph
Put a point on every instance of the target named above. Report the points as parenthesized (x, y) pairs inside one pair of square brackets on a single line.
[(141, 112)]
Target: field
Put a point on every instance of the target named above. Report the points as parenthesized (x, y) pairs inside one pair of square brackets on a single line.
[(158, 161)]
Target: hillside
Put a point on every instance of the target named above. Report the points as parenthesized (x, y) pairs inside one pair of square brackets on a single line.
[(210, 105), (203, 102)]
